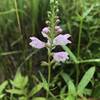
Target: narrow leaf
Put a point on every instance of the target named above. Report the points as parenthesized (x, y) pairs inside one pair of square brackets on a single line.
[(71, 86), (85, 80), (72, 56), (45, 84), (36, 89)]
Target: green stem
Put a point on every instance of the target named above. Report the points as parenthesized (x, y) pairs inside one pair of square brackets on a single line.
[(77, 73), (49, 72), (89, 61), (78, 51), (85, 61), (79, 38), (52, 35), (49, 69), (17, 15), (49, 65)]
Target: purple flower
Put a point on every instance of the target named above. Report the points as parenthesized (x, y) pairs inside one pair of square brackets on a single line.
[(60, 56), (45, 31), (36, 43), (58, 29), (61, 39)]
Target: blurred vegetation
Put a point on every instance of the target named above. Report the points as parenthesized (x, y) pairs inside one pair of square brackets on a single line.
[(20, 19)]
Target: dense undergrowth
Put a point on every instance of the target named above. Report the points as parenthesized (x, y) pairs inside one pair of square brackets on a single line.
[(21, 73)]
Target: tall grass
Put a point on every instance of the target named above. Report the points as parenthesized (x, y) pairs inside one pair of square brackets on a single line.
[(19, 19)]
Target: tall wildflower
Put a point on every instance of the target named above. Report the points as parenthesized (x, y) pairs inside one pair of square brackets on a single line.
[(54, 34)]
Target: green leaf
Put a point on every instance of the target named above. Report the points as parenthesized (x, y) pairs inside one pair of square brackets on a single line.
[(1, 96), (45, 84), (19, 80), (3, 86), (72, 56), (39, 98), (62, 93), (36, 89), (70, 97), (85, 80), (23, 98), (17, 91), (71, 86), (52, 1), (85, 14)]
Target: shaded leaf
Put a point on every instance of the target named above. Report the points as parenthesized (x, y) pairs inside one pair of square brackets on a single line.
[(71, 86), (3, 86), (45, 84), (72, 56), (36, 89), (85, 80)]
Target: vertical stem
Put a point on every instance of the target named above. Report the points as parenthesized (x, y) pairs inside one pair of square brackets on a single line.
[(78, 50), (77, 73), (17, 15), (79, 38), (49, 65), (49, 74), (49, 69), (52, 35)]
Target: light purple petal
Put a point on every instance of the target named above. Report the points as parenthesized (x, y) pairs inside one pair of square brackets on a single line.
[(61, 39), (58, 29), (36, 43), (60, 56), (45, 31)]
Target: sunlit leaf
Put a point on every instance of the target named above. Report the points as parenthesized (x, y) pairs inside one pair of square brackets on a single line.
[(20, 81), (39, 98), (17, 91), (70, 97)]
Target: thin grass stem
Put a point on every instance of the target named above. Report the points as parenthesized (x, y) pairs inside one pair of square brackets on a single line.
[(17, 15)]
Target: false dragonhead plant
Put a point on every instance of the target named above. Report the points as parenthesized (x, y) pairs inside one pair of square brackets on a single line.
[(55, 37), (54, 34)]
